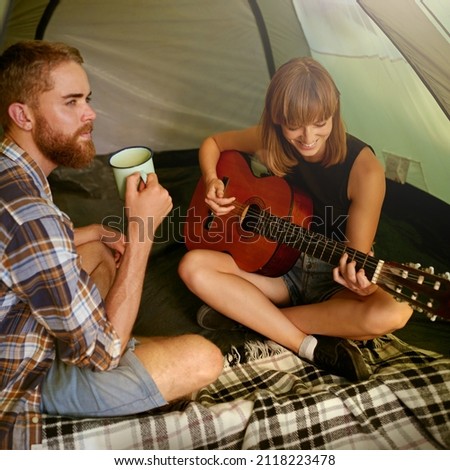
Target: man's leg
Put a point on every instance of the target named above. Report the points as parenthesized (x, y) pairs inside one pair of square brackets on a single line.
[(180, 365), (98, 261)]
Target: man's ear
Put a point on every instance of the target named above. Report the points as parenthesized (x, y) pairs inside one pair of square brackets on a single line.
[(20, 114)]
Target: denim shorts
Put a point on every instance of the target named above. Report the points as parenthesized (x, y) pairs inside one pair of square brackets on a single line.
[(73, 391), (310, 281)]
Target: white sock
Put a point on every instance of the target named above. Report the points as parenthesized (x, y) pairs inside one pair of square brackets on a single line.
[(307, 347)]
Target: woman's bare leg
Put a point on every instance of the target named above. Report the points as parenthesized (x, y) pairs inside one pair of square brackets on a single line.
[(248, 298)]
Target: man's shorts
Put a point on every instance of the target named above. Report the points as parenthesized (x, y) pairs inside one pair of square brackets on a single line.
[(310, 281), (73, 391)]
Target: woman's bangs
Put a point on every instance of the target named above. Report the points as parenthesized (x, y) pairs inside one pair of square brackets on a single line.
[(307, 108)]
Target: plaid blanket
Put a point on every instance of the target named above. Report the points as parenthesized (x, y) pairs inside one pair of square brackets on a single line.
[(268, 398)]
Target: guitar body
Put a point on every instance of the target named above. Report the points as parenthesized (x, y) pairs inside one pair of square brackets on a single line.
[(268, 229), (251, 251)]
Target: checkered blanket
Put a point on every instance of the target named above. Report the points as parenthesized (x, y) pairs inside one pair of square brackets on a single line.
[(267, 398)]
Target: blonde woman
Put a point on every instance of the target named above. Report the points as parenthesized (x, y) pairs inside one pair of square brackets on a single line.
[(316, 307)]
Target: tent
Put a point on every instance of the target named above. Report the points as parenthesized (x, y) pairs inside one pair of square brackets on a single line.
[(166, 73)]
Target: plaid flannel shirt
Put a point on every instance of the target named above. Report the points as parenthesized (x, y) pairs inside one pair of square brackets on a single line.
[(47, 302)]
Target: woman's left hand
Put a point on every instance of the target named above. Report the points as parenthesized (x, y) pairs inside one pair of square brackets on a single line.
[(347, 275)]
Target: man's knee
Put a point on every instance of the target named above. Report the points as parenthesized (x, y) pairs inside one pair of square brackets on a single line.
[(207, 360), (181, 364)]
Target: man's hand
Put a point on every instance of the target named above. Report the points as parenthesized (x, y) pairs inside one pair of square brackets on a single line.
[(113, 239), (146, 205)]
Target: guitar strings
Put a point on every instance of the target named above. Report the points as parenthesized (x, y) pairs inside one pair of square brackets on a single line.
[(395, 281), (336, 249), (301, 235)]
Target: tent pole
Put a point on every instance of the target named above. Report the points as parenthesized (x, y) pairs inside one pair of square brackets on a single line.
[(264, 36), (46, 16), (5, 12)]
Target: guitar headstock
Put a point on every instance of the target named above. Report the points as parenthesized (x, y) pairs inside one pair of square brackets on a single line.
[(425, 291)]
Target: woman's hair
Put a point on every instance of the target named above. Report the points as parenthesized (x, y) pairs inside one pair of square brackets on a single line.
[(25, 71), (300, 93)]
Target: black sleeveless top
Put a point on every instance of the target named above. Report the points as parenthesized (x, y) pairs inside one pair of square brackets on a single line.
[(327, 187)]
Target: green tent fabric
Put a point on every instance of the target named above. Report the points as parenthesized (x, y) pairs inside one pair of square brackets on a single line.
[(167, 73)]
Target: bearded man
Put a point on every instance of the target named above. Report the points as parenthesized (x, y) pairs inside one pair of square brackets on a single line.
[(69, 297)]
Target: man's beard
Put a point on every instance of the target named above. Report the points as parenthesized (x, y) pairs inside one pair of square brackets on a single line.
[(61, 149)]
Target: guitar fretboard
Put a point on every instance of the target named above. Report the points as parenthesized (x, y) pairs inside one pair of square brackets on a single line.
[(314, 244)]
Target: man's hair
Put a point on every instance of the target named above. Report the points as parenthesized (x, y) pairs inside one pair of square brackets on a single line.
[(25, 72)]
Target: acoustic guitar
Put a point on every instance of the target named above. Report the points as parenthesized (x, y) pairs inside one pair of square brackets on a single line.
[(269, 228)]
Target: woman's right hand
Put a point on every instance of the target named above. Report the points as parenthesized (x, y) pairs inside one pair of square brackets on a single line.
[(245, 140), (215, 191)]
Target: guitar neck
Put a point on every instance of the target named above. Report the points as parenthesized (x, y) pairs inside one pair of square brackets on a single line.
[(313, 244), (424, 291)]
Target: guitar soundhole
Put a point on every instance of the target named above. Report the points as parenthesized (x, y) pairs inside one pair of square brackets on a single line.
[(251, 218)]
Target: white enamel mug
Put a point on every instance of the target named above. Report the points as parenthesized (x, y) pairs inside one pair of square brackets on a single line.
[(128, 161)]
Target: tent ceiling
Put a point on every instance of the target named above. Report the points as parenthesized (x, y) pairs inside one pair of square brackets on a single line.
[(166, 73), (420, 39)]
